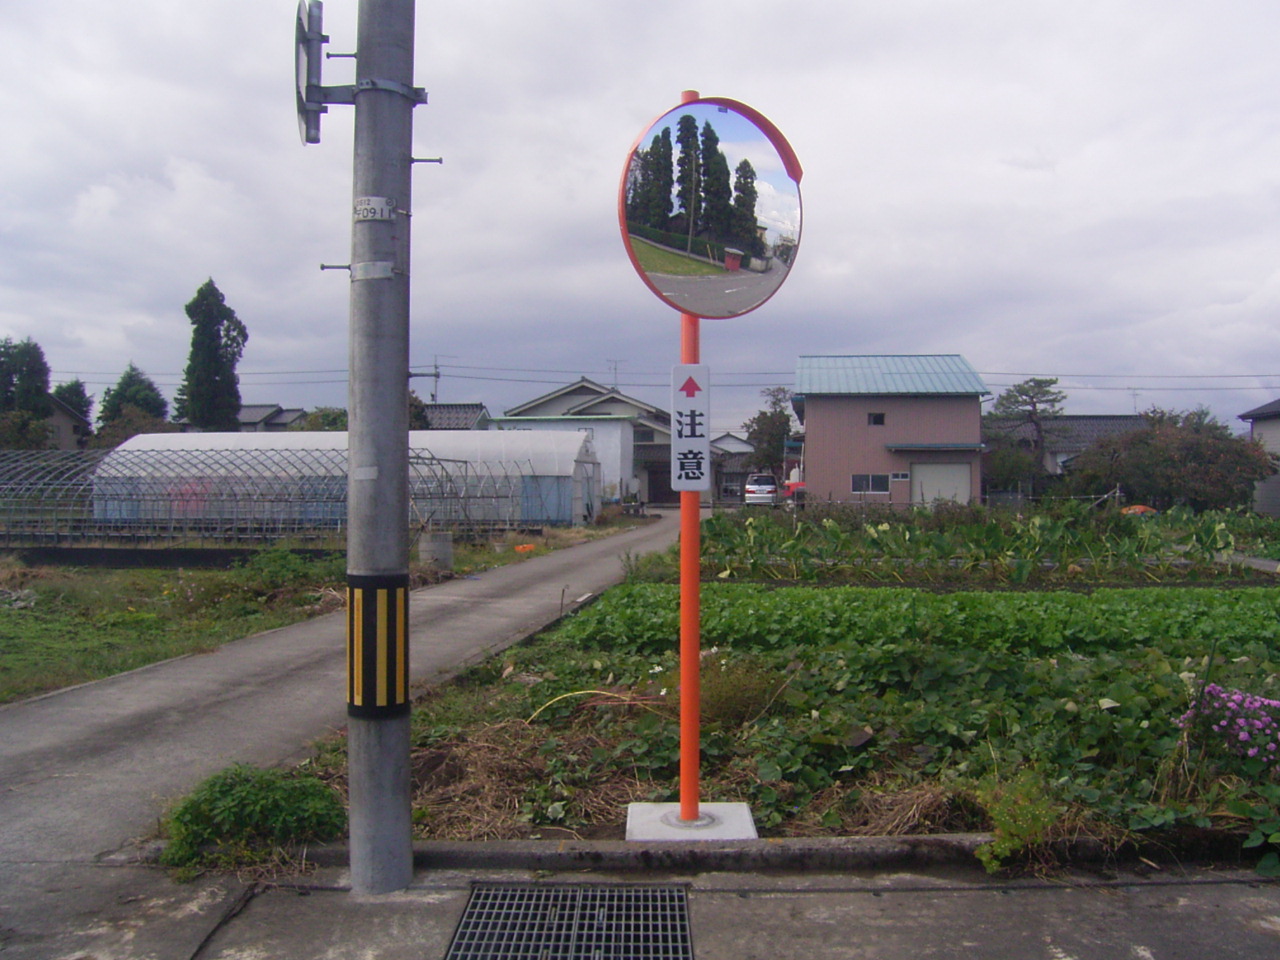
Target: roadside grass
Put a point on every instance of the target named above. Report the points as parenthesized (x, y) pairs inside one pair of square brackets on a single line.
[(61, 626), (659, 260)]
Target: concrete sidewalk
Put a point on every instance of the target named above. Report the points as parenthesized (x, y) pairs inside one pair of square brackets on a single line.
[(128, 911)]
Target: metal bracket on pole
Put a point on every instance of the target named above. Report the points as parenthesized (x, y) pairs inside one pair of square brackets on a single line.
[(415, 94), (335, 266), (426, 159), (344, 94)]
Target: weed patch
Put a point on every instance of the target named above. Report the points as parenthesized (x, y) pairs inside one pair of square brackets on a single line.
[(245, 815)]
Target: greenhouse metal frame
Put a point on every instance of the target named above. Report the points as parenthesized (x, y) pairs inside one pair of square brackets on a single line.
[(227, 497)]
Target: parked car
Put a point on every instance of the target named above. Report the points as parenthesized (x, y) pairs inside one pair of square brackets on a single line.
[(761, 488)]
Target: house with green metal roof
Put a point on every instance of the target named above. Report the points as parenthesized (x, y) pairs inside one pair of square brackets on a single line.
[(890, 430)]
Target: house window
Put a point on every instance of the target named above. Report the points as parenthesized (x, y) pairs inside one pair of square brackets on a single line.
[(643, 436), (870, 483), (904, 477), (875, 419)]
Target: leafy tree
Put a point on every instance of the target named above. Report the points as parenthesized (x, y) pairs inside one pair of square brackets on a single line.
[(24, 378), (136, 389), (209, 397), (322, 418), (1189, 458), (717, 194), (74, 394), (129, 421), (24, 430), (768, 431), (1027, 407), (745, 225), (688, 168)]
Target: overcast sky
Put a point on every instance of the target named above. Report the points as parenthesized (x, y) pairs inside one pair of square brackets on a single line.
[(1088, 191)]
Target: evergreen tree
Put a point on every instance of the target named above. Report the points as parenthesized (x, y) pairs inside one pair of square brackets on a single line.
[(24, 378), (136, 389), (649, 181), (745, 232), (209, 397), (75, 396), (1027, 407), (661, 179), (688, 170), (717, 193)]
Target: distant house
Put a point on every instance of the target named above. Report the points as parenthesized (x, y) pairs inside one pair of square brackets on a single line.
[(265, 418), (732, 443), (1065, 436), (67, 429), (1264, 427), (632, 438), (893, 430), (733, 469), (457, 416)]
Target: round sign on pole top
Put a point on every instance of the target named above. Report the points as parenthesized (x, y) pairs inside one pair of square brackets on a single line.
[(709, 207), (308, 38)]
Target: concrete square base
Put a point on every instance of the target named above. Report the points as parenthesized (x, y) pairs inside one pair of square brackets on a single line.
[(716, 821)]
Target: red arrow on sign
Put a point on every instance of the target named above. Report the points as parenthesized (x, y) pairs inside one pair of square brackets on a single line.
[(689, 388)]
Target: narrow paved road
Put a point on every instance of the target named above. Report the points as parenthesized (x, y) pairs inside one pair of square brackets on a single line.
[(85, 770)]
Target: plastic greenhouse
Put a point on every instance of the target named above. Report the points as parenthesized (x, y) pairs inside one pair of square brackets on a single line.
[(229, 487)]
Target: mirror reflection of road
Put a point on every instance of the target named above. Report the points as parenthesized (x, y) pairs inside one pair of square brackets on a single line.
[(726, 295)]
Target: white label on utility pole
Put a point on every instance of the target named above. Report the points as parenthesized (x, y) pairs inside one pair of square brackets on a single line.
[(374, 208), (373, 270), (690, 427)]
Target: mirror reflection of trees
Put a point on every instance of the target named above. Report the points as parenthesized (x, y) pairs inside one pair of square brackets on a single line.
[(679, 195)]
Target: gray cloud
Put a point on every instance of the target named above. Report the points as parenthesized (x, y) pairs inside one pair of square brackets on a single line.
[(1088, 190)]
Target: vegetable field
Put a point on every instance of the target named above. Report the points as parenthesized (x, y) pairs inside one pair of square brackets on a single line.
[(1119, 714)]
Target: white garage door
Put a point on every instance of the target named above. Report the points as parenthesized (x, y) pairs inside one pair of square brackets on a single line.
[(940, 481)]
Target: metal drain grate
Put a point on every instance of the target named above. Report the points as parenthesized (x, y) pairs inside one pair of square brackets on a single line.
[(550, 921)]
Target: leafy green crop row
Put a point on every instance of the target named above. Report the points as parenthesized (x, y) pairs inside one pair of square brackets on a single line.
[(1073, 542)]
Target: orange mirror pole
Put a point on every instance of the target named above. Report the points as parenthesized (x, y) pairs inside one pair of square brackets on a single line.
[(690, 612)]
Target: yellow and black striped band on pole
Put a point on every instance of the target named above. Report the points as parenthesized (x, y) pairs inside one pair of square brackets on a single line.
[(378, 646)]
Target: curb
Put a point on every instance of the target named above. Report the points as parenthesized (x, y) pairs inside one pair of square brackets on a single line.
[(841, 853)]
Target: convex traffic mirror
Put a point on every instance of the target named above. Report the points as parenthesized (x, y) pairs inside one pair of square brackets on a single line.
[(709, 207)]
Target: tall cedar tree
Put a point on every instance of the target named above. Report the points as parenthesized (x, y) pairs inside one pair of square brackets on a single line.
[(649, 183), (768, 431), (688, 168), (745, 232), (209, 397), (133, 389), (717, 192)]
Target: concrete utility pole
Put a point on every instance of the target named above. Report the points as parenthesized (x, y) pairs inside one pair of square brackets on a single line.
[(378, 459)]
